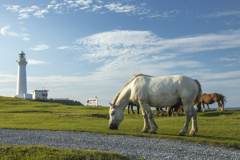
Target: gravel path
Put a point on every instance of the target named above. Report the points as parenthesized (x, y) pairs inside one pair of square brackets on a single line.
[(136, 147)]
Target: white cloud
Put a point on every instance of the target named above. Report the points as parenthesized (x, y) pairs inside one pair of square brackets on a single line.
[(23, 13), (208, 75), (122, 43), (28, 9), (53, 2), (99, 1), (40, 13), (118, 7), (77, 5), (35, 62), (118, 38), (166, 14), (124, 52), (164, 57), (83, 2), (23, 16), (40, 47), (230, 74), (70, 47), (4, 30), (13, 34), (227, 59), (23, 36), (226, 83), (232, 59), (95, 7), (84, 7), (5, 78), (221, 14), (64, 47), (13, 8)]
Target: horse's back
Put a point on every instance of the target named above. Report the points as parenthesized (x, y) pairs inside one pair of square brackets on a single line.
[(162, 91), (210, 98)]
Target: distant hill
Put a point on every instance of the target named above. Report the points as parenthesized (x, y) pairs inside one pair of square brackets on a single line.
[(65, 102)]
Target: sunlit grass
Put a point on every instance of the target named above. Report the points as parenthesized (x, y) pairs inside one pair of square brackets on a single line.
[(51, 153), (215, 127)]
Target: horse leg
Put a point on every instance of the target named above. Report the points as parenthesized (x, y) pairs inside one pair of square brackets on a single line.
[(128, 109), (219, 106), (188, 115), (138, 109), (203, 106), (208, 107), (194, 123), (162, 113), (181, 110), (150, 116), (221, 103), (146, 126), (132, 109), (168, 112)]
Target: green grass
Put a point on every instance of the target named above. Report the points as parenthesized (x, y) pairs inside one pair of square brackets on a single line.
[(215, 127), (50, 153)]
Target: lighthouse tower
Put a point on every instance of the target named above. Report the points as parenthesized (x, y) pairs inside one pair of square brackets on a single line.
[(22, 77)]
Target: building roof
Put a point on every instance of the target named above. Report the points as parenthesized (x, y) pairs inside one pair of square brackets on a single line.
[(39, 90), (21, 52)]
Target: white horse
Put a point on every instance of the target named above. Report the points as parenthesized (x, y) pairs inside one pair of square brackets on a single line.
[(147, 91)]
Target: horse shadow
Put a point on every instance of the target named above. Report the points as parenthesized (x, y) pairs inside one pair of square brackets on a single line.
[(218, 137), (215, 114), (99, 116)]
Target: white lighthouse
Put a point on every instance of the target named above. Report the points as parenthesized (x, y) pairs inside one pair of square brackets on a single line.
[(22, 77)]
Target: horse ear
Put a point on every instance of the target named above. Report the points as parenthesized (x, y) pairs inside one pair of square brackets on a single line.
[(110, 104)]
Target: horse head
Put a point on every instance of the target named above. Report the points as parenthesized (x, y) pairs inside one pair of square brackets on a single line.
[(116, 116)]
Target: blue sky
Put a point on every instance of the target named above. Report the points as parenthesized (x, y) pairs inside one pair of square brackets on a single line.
[(80, 49)]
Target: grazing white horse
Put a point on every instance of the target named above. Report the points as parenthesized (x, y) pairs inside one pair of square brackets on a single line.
[(147, 91)]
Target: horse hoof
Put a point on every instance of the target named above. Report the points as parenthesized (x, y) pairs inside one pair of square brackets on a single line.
[(153, 132), (144, 131), (192, 133), (181, 134)]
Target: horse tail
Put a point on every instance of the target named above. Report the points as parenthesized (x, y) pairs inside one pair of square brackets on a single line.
[(223, 99), (199, 96)]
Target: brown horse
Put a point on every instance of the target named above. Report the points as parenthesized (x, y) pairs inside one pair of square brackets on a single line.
[(178, 108), (210, 99)]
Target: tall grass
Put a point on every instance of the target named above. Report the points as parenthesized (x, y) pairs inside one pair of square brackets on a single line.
[(215, 127)]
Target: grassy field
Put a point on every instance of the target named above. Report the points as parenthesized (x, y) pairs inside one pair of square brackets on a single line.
[(50, 153), (215, 127)]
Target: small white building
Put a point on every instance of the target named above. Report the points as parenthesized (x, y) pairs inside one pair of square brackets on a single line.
[(40, 94)]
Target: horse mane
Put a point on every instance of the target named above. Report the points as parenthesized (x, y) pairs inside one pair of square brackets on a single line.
[(116, 97)]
